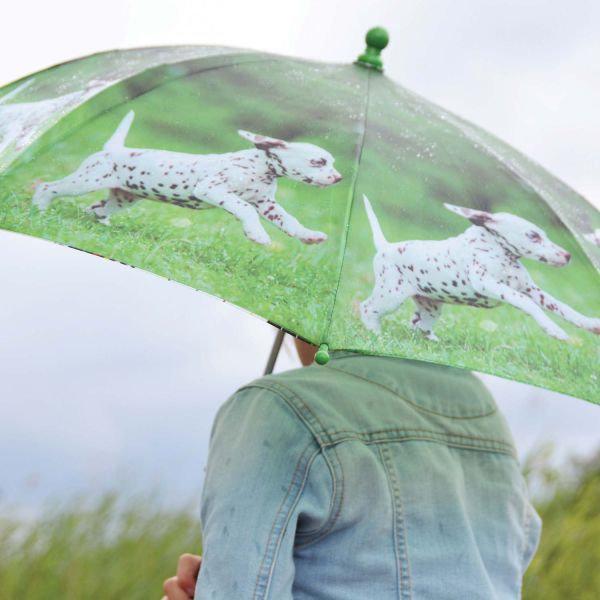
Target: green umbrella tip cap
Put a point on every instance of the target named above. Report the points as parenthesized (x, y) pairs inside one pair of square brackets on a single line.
[(377, 39), (322, 355)]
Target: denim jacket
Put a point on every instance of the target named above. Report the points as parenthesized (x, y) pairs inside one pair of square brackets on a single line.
[(368, 479)]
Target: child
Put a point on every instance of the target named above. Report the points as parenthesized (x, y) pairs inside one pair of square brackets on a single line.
[(369, 478)]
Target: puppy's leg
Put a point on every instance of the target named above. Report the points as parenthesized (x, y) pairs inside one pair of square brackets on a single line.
[(389, 292), (289, 224), (93, 174), (426, 315), (545, 300), (499, 291), (116, 201), (239, 208)]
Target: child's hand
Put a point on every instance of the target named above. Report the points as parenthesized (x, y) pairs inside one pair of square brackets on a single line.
[(182, 586)]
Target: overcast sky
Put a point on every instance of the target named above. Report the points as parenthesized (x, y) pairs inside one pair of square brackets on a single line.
[(110, 375)]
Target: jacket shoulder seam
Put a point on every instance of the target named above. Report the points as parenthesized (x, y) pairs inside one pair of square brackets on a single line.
[(300, 408), (280, 522), (336, 502)]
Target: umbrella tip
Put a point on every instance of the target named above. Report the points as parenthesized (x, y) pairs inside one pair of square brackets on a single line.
[(322, 355), (377, 39)]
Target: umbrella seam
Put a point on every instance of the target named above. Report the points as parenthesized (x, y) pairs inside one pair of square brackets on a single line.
[(350, 206)]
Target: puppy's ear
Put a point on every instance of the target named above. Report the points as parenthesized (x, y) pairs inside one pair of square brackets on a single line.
[(477, 217), (262, 142)]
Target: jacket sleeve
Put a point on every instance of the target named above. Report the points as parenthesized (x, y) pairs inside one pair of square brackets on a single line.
[(533, 533), (259, 458)]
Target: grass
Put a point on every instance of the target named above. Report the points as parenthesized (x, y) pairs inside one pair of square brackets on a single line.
[(566, 564), (112, 548)]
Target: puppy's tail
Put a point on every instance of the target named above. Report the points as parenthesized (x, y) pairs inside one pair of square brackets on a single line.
[(378, 237), (117, 139)]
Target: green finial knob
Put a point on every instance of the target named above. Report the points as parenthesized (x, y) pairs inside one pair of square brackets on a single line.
[(322, 355), (377, 39)]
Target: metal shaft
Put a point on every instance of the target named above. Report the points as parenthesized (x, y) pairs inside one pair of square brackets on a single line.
[(274, 351)]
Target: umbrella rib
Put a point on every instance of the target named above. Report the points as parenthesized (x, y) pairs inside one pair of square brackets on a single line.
[(352, 193)]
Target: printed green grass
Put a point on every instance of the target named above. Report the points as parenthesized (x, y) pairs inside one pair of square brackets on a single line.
[(198, 248)]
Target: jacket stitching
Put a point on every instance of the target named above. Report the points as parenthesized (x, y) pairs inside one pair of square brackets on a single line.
[(280, 522), (337, 500), (472, 447), (313, 424), (315, 530), (400, 545), (395, 434), (491, 411), (327, 437), (298, 406)]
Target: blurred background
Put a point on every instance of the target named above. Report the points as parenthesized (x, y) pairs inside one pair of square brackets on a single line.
[(110, 377)]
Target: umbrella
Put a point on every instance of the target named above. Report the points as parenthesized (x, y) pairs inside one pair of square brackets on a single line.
[(348, 210)]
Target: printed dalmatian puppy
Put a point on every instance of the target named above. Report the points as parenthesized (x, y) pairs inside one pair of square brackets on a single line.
[(479, 268), (243, 182), (22, 122)]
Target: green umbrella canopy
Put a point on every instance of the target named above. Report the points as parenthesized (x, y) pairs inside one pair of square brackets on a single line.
[(464, 252)]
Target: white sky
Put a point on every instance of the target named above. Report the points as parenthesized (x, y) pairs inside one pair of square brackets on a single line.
[(111, 376)]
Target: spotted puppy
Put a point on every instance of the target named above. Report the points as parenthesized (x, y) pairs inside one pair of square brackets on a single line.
[(479, 268), (243, 183), (22, 122)]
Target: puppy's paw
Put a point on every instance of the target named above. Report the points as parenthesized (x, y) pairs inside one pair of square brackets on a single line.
[(558, 333), (594, 326), (99, 217), (35, 184), (370, 321), (431, 336), (372, 326), (313, 237), (42, 197), (259, 236)]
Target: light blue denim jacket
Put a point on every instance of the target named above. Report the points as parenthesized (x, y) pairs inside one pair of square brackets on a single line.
[(368, 479)]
